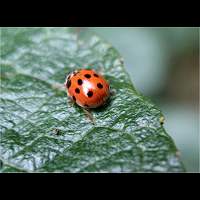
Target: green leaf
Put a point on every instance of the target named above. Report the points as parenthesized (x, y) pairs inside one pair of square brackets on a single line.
[(128, 135)]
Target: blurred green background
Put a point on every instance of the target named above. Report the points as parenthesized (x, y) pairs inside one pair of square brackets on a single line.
[(164, 65)]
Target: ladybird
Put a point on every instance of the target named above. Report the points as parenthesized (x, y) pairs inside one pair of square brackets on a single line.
[(87, 88)]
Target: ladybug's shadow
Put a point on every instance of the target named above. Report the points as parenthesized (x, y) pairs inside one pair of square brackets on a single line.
[(103, 107)]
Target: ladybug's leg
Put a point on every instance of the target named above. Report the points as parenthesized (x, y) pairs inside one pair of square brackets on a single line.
[(89, 115), (58, 86), (101, 70), (70, 101), (112, 92)]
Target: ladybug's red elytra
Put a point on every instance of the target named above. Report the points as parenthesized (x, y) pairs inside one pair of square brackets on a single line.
[(87, 88)]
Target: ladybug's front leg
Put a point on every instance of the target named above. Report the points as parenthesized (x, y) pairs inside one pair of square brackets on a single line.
[(70, 101), (58, 86), (89, 115), (112, 92)]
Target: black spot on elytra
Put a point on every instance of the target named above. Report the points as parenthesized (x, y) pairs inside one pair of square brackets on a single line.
[(99, 85), (77, 90), (74, 98), (86, 105), (96, 75), (68, 83), (90, 94), (80, 82), (87, 75)]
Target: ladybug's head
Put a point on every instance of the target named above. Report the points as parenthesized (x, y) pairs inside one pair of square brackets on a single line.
[(70, 74)]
